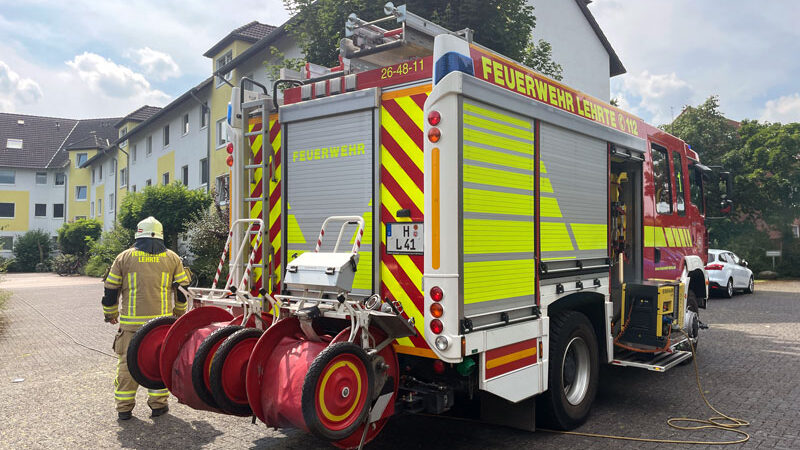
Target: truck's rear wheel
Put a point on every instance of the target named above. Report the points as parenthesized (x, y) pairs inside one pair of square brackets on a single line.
[(573, 372)]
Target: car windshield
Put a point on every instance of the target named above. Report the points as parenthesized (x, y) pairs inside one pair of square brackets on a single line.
[(734, 258), (712, 257)]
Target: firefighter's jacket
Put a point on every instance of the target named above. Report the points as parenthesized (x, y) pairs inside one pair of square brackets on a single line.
[(145, 282)]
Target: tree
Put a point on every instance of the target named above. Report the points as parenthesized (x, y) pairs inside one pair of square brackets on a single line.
[(206, 235), (74, 238), (170, 204), (704, 127), (504, 26), (31, 250), (105, 249)]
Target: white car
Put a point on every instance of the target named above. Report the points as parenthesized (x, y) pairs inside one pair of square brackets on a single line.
[(728, 273)]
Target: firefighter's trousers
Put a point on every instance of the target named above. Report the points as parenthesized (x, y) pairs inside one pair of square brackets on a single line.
[(124, 385)]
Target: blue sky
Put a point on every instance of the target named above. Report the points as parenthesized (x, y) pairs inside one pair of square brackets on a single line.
[(89, 58)]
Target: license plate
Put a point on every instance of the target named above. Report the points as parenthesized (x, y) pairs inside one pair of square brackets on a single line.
[(404, 238)]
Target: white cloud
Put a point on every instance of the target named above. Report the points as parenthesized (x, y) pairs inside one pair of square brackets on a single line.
[(16, 90), (110, 79), (783, 109), (655, 97), (156, 64)]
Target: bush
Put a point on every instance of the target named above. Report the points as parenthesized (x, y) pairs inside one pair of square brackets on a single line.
[(31, 249), (104, 250), (171, 205), (5, 263), (206, 235), (74, 238), (64, 264)]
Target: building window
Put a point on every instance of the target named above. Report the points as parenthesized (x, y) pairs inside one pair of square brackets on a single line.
[(81, 158), (222, 185), (204, 115), (100, 172), (91, 209), (80, 192), (123, 177), (16, 144), (7, 210), (186, 124), (204, 171), (133, 188), (165, 178), (166, 135), (93, 175), (8, 176), (61, 178), (40, 210), (110, 202), (220, 133), (58, 210), (221, 61), (99, 207), (148, 182), (149, 145), (796, 231), (80, 217), (41, 177), (6, 243), (133, 152), (185, 175), (123, 132), (248, 85)]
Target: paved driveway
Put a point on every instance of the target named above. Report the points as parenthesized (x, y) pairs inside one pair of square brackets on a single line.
[(749, 363)]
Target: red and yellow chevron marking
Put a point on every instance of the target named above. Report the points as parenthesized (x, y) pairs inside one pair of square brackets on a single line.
[(274, 198), (503, 360), (401, 188)]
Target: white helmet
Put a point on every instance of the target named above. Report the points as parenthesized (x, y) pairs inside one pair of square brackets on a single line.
[(149, 228)]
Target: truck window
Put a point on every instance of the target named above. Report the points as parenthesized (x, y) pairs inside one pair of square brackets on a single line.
[(662, 186), (696, 187), (680, 196)]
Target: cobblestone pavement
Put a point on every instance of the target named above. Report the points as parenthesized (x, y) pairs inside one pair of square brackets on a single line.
[(749, 363)]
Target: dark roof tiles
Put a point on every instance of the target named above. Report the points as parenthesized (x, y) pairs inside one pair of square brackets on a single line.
[(140, 115), (251, 32)]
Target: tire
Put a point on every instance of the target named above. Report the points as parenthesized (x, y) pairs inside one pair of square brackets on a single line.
[(141, 339), (321, 369), (751, 286), (235, 345), (206, 349), (573, 372), (728, 289)]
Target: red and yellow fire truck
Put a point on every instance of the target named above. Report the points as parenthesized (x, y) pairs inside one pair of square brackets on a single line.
[(430, 223)]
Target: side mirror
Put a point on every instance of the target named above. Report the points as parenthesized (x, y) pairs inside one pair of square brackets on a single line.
[(744, 263), (726, 204)]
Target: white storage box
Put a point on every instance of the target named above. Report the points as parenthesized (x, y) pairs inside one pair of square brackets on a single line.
[(321, 272)]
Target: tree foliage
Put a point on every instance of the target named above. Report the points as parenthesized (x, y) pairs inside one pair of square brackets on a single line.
[(170, 205), (206, 235), (32, 249), (704, 127), (504, 26), (105, 249), (75, 238)]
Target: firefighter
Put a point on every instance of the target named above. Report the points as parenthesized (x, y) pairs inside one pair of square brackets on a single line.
[(138, 288)]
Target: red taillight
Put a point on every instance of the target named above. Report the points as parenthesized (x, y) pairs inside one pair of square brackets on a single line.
[(436, 310), (438, 366), (229, 148), (437, 326), (434, 135), (434, 118), (714, 267), (229, 161), (437, 294)]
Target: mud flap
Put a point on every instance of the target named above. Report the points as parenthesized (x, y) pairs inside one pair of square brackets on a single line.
[(499, 411)]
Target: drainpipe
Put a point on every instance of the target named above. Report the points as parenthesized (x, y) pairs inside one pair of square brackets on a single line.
[(127, 182), (203, 108)]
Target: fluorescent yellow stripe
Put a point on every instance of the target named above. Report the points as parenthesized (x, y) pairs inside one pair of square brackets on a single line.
[(496, 115), (492, 363), (670, 237), (411, 270), (130, 293), (412, 110), (403, 140), (181, 277), (590, 236), (480, 201), (689, 237), (659, 238), (494, 177), (392, 206), (548, 207), (363, 277), (400, 295), (500, 158), (114, 277), (125, 392), (498, 236), (649, 236), (545, 186), (497, 127), (554, 237), (141, 317), (404, 341), (402, 178), (514, 278), (497, 141)]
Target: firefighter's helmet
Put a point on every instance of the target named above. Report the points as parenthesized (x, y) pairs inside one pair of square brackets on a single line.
[(150, 228)]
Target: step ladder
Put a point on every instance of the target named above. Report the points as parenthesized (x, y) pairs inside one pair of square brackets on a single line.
[(657, 362)]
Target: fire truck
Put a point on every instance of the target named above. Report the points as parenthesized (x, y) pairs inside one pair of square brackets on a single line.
[(432, 224)]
